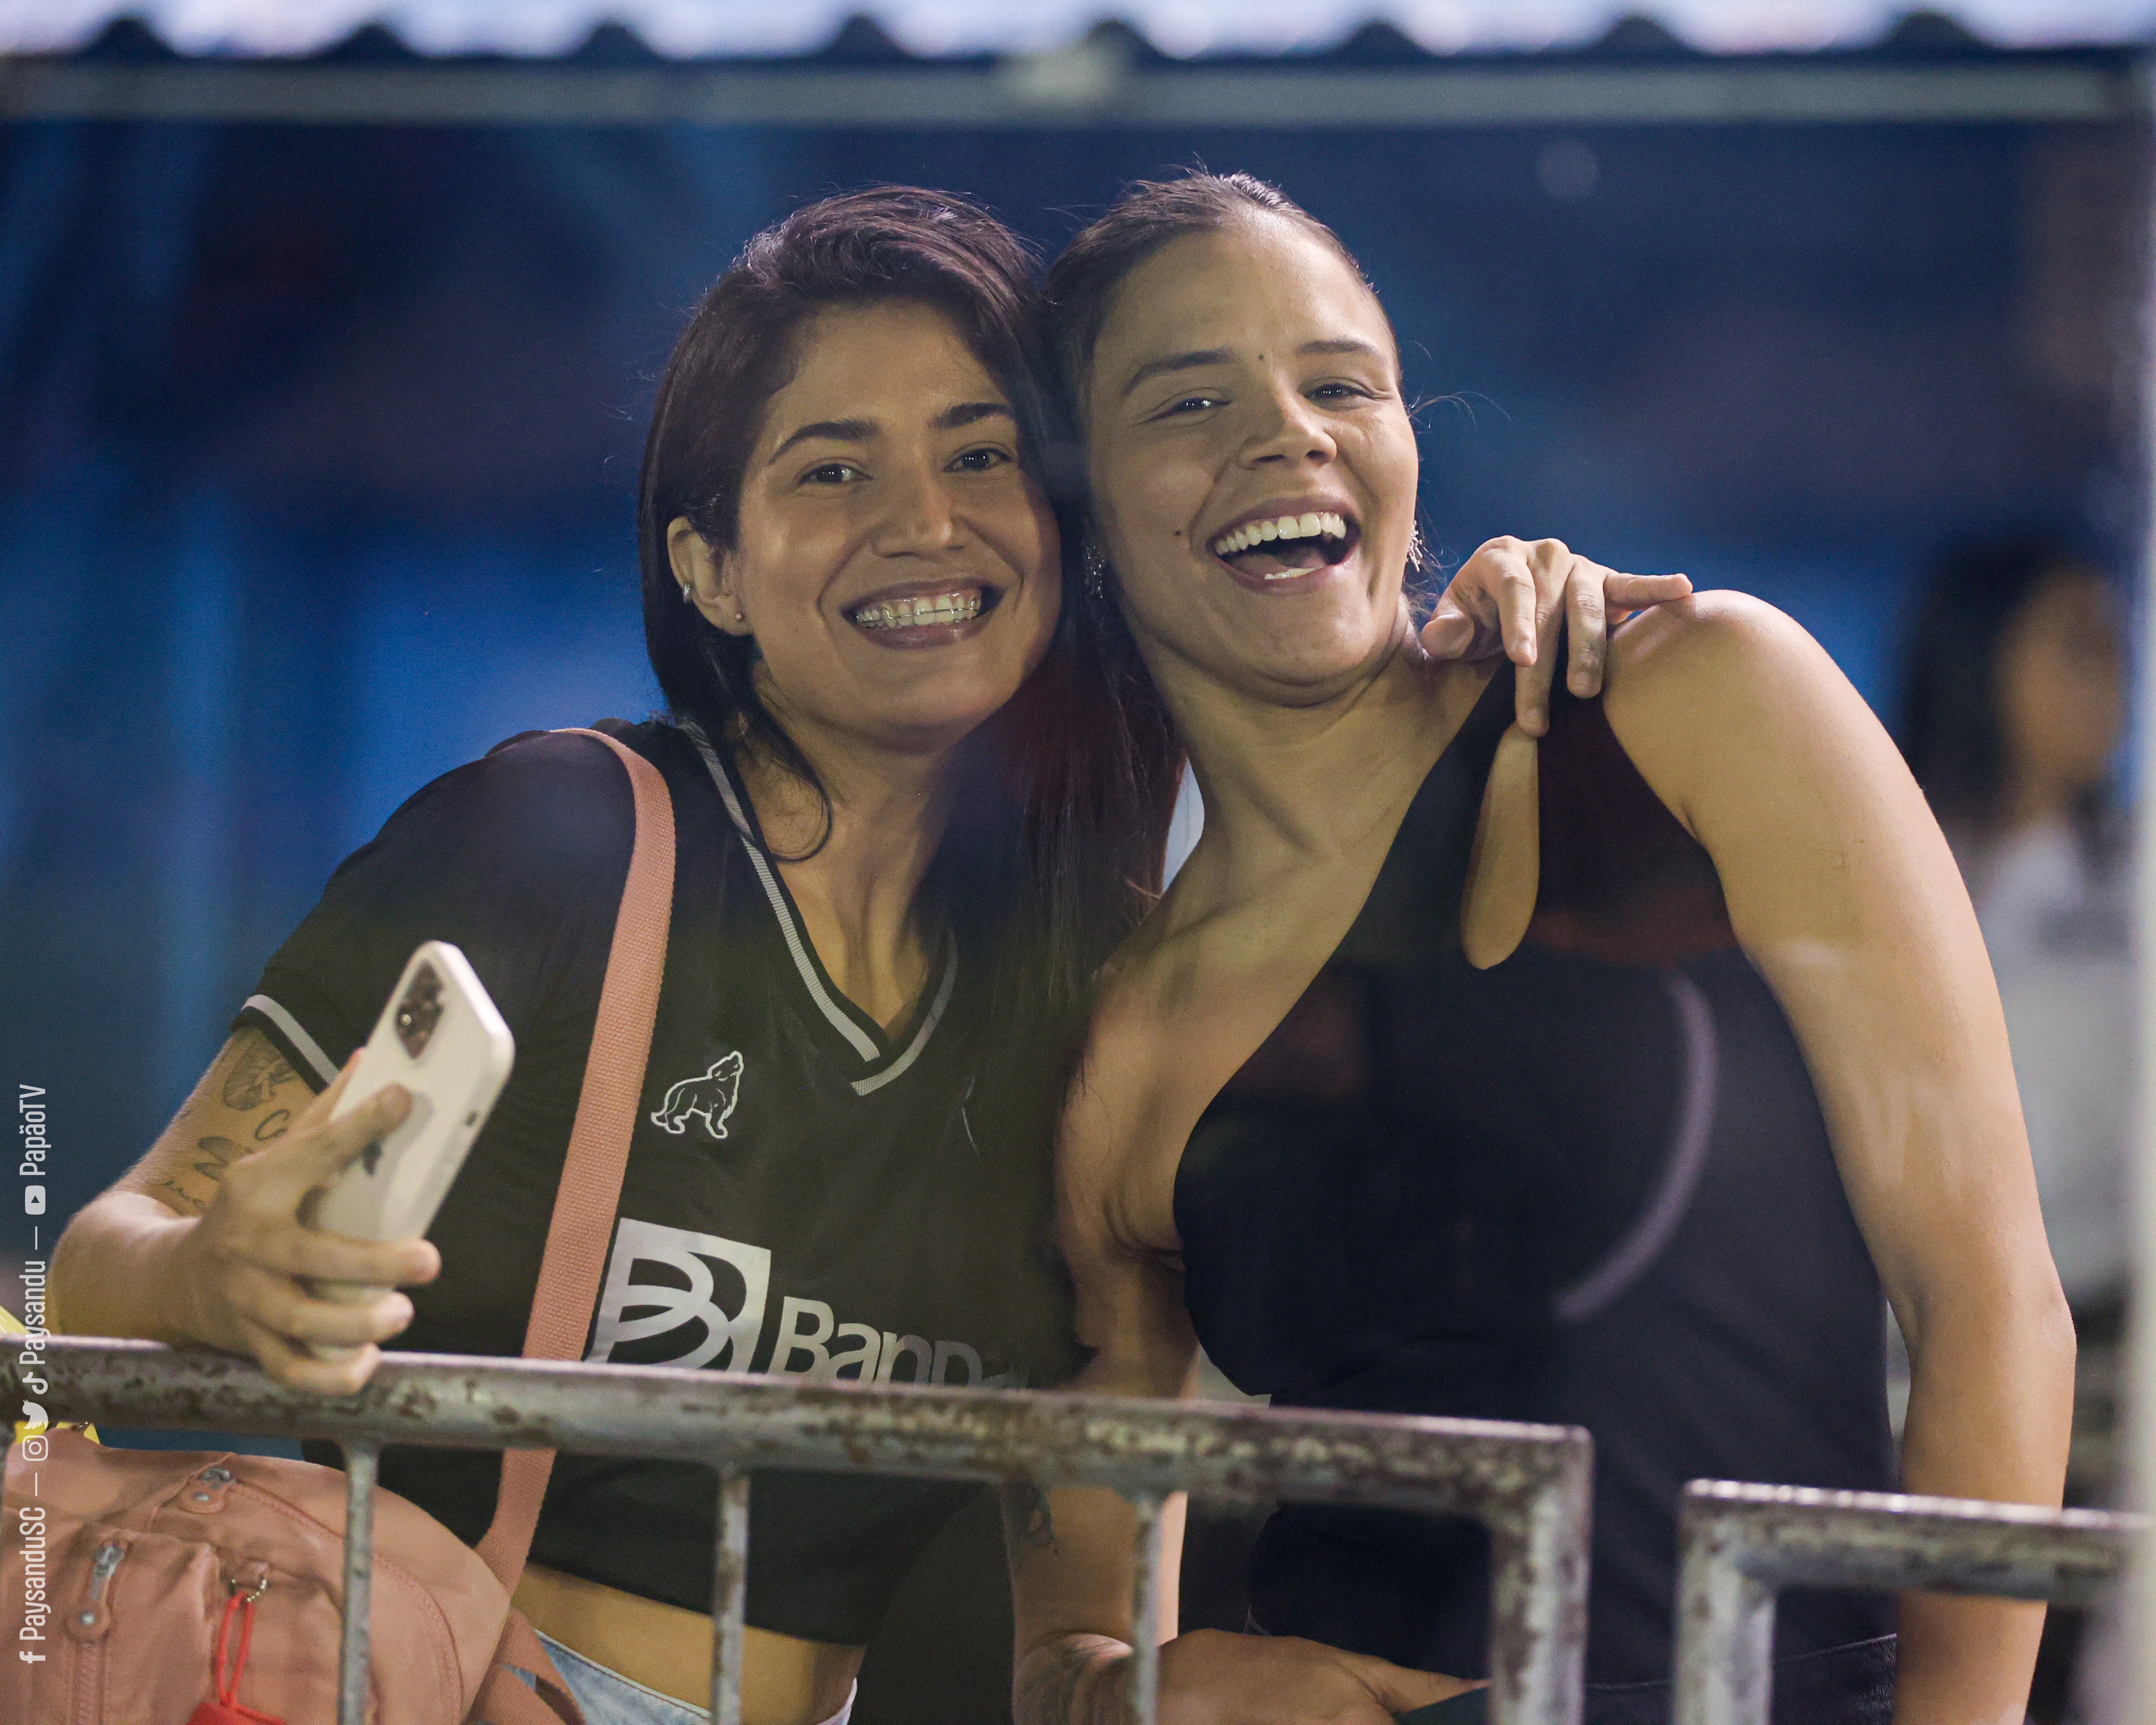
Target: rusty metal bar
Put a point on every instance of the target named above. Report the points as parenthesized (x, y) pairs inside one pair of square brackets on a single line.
[(1144, 1673), (729, 1597), (354, 1646), (1529, 1483), (1742, 1544)]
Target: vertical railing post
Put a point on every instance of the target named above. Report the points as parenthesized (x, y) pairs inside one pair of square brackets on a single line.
[(360, 1462), (1725, 1639), (729, 1596), (1144, 1697), (1539, 1564)]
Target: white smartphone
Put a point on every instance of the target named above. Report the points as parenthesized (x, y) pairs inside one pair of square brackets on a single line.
[(441, 1038)]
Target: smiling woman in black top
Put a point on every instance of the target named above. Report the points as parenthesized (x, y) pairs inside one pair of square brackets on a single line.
[(912, 816), (1768, 1075)]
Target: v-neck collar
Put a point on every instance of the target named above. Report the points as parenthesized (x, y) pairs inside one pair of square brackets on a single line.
[(884, 1059)]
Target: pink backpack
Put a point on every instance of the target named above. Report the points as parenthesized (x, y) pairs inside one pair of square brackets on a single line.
[(156, 1588)]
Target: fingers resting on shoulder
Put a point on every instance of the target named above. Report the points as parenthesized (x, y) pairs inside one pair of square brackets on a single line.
[(1513, 595)]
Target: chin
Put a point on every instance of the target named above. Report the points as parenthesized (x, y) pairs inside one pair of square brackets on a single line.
[(1337, 656), (944, 721)]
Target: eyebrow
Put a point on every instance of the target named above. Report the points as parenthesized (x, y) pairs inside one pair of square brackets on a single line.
[(1342, 344), (970, 413), (1199, 357), (839, 431), (860, 431), (1168, 363)]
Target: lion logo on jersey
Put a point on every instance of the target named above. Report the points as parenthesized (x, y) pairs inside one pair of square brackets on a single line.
[(710, 1095)]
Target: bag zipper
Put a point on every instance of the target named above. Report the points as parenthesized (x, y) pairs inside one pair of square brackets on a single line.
[(88, 1701)]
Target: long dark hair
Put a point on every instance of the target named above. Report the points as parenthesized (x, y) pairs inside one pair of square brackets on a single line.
[(1950, 731), (1056, 841)]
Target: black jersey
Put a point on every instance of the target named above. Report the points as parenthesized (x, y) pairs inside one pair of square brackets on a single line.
[(805, 1194), (1591, 1185)]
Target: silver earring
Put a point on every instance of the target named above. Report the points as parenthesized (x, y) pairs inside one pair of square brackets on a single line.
[(687, 597), (740, 616), (1418, 552), (1096, 572)]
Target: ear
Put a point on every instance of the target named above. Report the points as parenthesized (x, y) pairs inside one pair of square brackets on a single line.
[(706, 575)]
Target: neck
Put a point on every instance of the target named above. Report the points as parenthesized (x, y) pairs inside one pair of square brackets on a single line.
[(858, 891), (1271, 767)]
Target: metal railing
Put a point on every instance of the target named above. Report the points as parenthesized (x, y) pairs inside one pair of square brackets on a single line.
[(1530, 1485), (1742, 1544)]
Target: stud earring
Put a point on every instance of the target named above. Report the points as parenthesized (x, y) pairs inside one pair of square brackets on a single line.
[(740, 616), (1096, 572)]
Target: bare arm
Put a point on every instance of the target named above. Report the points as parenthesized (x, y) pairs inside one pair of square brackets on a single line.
[(1844, 895), (202, 1240)]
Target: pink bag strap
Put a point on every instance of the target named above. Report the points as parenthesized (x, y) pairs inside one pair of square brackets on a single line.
[(506, 1699), (582, 1225)]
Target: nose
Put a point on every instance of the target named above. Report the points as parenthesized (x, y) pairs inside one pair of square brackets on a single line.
[(918, 519), (1288, 430)]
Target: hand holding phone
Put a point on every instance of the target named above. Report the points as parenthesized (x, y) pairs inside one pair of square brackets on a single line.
[(441, 1038)]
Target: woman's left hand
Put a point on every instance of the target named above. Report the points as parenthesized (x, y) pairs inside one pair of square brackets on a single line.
[(1512, 595)]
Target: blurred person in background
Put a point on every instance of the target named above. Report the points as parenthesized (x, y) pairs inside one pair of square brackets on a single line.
[(2013, 708)]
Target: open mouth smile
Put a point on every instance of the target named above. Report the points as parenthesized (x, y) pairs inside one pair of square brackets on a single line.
[(922, 617), (1279, 547)]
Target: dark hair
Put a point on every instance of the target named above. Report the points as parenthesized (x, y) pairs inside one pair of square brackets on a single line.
[(1050, 839), (1950, 731), (1147, 215)]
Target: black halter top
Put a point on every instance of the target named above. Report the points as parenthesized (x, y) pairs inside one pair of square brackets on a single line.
[(1591, 1185)]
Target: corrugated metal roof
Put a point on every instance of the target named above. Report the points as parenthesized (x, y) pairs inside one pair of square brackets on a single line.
[(677, 30)]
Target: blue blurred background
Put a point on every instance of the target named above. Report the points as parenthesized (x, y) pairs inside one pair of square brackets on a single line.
[(318, 441)]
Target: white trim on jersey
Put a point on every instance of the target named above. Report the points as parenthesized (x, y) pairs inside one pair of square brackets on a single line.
[(862, 1042), (325, 1068), (862, 1086)]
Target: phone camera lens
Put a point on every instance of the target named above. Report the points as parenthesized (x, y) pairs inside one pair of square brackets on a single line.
[(419, 1011)]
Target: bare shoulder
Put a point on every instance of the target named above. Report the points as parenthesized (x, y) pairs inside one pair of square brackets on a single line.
[(1718, 643), (1723, 696)]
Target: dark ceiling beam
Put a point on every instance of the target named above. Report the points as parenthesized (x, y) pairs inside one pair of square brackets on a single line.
[(1082, 88)]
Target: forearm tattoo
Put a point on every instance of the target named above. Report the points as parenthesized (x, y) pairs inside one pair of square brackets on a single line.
[(258, 1073), (214, 1155)]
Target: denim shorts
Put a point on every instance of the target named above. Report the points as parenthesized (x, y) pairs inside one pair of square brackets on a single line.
[(609, 1698)]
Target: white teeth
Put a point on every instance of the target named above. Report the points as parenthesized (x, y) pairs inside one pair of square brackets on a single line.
[(926, 609), (1322, 523)]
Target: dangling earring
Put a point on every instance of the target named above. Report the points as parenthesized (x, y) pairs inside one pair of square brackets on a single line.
[(1418, 552), (1096, 572), (688, 597)]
